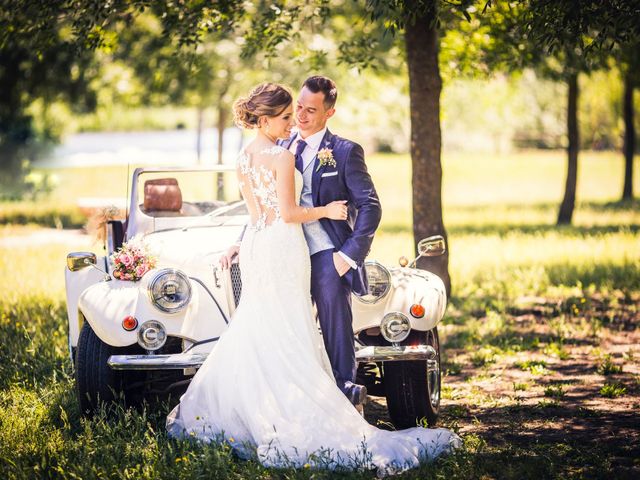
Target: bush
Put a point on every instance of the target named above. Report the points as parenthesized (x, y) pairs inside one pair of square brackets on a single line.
[(54, 216)]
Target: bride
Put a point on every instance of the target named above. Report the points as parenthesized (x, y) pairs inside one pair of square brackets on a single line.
[(267, 387)]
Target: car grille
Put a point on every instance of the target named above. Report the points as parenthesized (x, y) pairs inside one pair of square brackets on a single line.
[(236, 282)]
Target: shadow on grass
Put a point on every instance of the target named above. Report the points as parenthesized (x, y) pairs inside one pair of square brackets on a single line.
[(618, 206), (509, 340), (504, 229), (554, 439), (599, 274), (498, 289), (563, 421)]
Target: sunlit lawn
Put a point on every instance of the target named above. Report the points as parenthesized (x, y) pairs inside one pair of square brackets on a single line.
[(530, 301)]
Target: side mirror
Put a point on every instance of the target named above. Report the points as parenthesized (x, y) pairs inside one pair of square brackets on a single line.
[(432, 246), (79, 260)]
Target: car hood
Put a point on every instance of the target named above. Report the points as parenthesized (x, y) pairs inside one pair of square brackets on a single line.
[(197, 246)]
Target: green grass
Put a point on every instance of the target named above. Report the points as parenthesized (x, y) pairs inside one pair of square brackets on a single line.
[(608, 366), (528, 299), (612, 390), (555, 391)]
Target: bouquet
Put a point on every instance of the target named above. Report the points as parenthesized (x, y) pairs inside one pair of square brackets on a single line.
[(132, 260)]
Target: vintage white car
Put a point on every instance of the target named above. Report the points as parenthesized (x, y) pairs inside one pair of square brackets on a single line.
[(142, 339)]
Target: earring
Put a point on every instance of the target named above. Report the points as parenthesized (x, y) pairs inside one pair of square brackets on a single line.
[(267, 127)]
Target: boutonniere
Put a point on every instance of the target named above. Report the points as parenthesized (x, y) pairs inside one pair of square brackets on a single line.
[(325, 157)]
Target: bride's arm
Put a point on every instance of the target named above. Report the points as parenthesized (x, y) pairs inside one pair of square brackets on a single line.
[(285, 189)]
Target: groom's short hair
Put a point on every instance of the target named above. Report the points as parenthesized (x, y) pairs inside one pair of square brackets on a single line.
[(318, 83)]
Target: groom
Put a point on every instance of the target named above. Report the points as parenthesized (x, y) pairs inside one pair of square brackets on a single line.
[(333, 168), (338, 248)]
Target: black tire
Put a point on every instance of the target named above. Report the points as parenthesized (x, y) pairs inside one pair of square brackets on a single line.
[(413, 387), (96, 382)]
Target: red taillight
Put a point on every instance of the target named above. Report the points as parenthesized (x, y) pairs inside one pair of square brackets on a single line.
[(129, 323), (417, 310)]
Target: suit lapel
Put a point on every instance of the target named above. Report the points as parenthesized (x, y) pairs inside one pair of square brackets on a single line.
[(327, 142)]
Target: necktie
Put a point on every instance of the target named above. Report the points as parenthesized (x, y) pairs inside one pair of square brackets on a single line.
[(299, 149)]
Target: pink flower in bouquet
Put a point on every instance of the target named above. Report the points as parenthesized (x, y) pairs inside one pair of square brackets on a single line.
[(141, 270), (126, 259), (127, 276)]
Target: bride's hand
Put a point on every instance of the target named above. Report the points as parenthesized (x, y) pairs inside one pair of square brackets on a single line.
[(337, 210), (227, 258)]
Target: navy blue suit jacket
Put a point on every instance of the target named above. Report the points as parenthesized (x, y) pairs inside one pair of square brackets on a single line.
[(348, 180)]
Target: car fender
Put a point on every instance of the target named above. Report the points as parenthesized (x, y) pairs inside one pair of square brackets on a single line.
[(408, 286), (106, 304), (75, 283)]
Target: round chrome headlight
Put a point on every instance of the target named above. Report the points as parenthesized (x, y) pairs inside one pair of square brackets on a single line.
[(170, 290), (152, 335), (379, 281), (395, 327)]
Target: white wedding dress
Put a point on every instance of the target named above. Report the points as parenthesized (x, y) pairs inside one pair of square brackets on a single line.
[(267, 387)]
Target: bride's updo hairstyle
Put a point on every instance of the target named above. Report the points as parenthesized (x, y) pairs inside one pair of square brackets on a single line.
[(267, 99)]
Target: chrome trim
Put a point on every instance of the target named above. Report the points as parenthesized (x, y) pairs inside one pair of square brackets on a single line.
[(155, 326), (176, 361), (179, 361), (157, 276), (389, 317), (433, 246), (79, 260), (396, 353), (388, 274), (206, 289)]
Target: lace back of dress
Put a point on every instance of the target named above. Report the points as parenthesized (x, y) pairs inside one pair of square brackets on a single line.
[(258, 185)]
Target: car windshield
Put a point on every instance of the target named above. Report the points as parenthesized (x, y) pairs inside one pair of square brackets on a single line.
[(178, 199)]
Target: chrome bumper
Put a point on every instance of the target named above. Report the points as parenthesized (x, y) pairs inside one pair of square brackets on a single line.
[(176, 361), (395, 354), (181, 361)]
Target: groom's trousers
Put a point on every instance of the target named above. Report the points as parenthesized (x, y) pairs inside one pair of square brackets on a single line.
[(332, 296)]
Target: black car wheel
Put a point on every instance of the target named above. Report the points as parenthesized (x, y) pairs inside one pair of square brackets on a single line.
[(96, 382), (413, 387)]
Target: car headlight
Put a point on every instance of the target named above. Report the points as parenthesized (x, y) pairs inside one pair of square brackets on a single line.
[(379, 281), (170, 290), (152, 335), (395, 327)]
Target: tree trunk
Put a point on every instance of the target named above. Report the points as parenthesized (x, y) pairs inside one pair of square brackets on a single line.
[(425, 85), (222, 123), (199, 133), (629, 147), (568, 202)]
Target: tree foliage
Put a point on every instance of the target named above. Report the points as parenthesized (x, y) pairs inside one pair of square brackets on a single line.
[(37, 61)]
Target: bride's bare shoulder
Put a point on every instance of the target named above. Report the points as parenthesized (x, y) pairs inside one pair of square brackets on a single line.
[(279, 154)]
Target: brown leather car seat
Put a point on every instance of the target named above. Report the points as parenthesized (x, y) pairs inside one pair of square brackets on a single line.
[(162, 194)]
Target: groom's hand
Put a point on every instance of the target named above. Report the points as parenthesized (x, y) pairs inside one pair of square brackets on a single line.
[(340, 263), (227, 258)]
